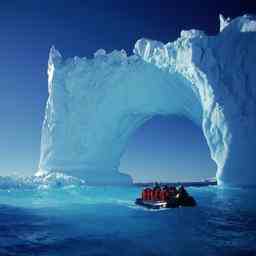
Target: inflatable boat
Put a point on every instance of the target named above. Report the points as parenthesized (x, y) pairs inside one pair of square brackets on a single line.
[(165, 197), (173, 203)]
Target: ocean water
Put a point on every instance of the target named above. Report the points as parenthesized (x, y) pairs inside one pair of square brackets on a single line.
[(81, 220)]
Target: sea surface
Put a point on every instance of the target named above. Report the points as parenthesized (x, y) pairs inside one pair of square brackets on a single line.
[(82, 220)]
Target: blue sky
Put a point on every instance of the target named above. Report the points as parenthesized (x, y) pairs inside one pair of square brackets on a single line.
[(29, 28)]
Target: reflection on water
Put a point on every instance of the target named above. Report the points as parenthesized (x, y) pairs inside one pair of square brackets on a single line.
[(104, 221)]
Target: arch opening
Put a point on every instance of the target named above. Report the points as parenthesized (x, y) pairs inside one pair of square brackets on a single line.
[(167, 148)]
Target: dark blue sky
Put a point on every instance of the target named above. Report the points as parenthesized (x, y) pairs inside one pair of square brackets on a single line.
[(27, 30)]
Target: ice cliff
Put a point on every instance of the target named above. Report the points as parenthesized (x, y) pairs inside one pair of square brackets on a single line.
[(95, 105)]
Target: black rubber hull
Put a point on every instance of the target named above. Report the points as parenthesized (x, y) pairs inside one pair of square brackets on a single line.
[(173, 203)]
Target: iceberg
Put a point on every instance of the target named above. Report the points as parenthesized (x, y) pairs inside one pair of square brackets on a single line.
[(95, 105)]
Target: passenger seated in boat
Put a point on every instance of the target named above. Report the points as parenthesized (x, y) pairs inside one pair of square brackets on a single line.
[(150, 194), (147, 194), (165, 193), (156, 193)]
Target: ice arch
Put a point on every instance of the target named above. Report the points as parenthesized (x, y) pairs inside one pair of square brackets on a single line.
[(94, 105)]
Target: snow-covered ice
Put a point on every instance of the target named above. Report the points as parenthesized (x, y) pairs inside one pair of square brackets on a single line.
[(95, 105)]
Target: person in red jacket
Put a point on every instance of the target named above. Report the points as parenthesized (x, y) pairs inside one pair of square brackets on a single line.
[(162, 195), (157, 194), (150, 194), (146, 194)]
